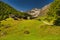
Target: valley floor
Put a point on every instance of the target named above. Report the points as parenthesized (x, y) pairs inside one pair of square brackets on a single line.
[(11, 29)]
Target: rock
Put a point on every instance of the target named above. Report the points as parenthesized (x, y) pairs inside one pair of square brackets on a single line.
[(26, 32), (3, 33), (28, 18), (38, 12), (34, 12)]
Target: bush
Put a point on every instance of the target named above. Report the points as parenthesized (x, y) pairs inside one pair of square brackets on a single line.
[(57, 22)]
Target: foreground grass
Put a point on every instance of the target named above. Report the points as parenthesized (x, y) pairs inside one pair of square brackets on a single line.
[(28, 30)]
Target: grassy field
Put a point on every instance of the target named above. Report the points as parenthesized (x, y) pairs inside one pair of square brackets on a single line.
[(11, 29)]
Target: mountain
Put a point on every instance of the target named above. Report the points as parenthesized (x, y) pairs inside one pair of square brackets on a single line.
[(8, 11), (35, 12)]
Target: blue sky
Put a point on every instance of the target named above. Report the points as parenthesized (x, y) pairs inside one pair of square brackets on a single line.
[(25, 5)]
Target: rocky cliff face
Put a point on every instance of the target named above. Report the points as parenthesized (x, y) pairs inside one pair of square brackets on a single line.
[(38, 12), (34, 12)]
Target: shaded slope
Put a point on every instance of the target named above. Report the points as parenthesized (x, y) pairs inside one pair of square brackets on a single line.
[(54, 12)]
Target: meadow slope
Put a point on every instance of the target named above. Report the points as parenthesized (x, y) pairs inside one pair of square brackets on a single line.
[(11, 29)]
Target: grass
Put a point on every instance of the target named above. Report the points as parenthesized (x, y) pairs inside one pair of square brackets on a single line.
[(18, 30)]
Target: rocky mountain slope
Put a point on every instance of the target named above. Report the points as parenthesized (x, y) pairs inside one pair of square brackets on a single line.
[(39, 12)]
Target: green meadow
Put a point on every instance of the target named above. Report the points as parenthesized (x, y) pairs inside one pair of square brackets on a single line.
[(28, 30)]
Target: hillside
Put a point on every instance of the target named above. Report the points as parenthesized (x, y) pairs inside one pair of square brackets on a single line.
[(54, 12), (27, 30), (6, 10)]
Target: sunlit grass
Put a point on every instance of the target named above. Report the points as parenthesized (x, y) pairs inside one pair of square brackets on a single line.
[(37, 30)]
